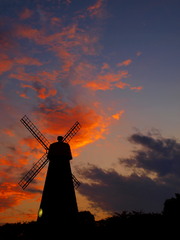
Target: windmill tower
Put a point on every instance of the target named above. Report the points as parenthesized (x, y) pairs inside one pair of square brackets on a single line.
[(58, 202)]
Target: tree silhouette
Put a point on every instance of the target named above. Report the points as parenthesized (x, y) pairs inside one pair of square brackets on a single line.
[(172, 207), (126, 224)]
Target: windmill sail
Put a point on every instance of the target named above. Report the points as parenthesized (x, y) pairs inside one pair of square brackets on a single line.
[(35, 132), (72, 131), (37, 167), (31, 174)]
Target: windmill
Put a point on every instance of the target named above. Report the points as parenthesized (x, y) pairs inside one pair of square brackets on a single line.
[(58, 198)]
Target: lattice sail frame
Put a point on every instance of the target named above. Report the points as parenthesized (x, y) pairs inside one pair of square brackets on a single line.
[(39, 165), (33, 172), (35, 132)]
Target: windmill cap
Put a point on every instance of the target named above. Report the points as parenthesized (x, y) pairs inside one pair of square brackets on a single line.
[(60, 138)]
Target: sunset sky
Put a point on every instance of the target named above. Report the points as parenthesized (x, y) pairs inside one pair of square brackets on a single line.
[(112, 65)]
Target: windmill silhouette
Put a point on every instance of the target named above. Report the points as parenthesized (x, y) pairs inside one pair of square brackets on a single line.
[(58, 198)]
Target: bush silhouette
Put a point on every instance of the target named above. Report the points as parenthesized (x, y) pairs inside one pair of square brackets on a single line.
[(129, 224), (172, 207)]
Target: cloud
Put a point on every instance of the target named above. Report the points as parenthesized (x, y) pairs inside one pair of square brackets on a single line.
[(138, 53), (88, 76), (25, 31), (28, 61), (124, 63), (96, 10), (118, 115), (113, 192), (155, 171), (71, 45), (53, 93), (9, 132), (11, 195), (136, 88), (42, 82), (157, 154), (14, 165), (17, 157), (104, 78), (5, 63), (42, 92), (68, 2), (108, 81), (25, 14), (59, 118), (55, 75), (67, 44)]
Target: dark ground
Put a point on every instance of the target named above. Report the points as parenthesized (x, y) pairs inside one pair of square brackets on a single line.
[(124, 225)]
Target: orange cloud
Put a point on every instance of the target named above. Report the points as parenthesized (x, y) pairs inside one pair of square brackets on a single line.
[(122, 85), (23, 95), (64, 43), (24, 31), (108, 81), (118, 115), (25, 14), (57, 42), (41, 82), (88, 43), (70, 45), (28, 61), (96, 9), (5, 63), (15, 159), (9, 132), (55, 21), (137, 88), (94, 125), (87, 76), (84, 72), (11, 195), (105, 66), (125, 63), (67, 57), (30, 142), (42, 92)]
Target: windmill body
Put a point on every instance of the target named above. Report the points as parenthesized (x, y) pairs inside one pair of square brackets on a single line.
[(58, 198), (58, 202)]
